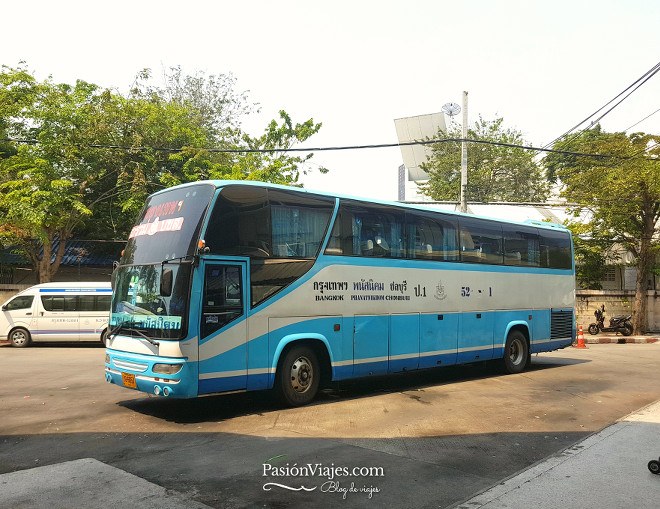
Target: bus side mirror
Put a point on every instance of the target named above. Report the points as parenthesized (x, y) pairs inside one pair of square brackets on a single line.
[(166, 283)]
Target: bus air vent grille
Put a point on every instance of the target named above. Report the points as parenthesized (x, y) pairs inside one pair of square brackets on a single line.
[(561, 324), (133, 366)]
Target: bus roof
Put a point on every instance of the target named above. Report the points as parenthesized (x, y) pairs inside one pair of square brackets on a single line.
[(420, 207)]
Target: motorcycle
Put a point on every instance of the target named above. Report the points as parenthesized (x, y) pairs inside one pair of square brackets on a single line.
[(619, 323)]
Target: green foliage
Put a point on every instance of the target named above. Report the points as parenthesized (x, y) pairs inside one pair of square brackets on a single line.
[(277, 167), (621, 194), (590, 259), (72, 180), (495, 172)]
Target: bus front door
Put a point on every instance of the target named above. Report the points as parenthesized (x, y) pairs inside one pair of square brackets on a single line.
[(223, 328)]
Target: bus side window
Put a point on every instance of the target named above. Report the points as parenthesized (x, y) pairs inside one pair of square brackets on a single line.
[(431, 238), (521, 246), (481, 241)]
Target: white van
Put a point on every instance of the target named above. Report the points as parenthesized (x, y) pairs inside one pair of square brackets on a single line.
[(57, 312)]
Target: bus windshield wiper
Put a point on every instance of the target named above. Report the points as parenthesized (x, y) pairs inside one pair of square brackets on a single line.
[(123, 327)]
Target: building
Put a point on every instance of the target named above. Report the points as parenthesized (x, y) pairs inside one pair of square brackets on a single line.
[(83, 260), (409, 130)]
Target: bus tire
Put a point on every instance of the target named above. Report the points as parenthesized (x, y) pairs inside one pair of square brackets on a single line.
[(516, 352), (298, 376), (20, 337)]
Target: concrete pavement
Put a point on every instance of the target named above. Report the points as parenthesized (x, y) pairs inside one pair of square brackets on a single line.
[(607, 470), (440, 436), (85, 483)]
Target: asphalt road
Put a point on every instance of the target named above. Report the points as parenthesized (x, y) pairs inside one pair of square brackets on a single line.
[(436, 437)]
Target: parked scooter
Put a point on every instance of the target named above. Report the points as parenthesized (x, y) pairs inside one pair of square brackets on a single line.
[(619, 323)]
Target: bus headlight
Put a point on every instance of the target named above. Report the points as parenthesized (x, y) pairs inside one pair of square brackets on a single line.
[(167, 369), (107, 359)]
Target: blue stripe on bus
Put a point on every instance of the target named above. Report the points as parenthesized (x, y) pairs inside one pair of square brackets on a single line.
[(226, 384), (75, 290), (442, 343)]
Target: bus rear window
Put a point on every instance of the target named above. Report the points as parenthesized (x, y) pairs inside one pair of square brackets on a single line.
[(556, 250)]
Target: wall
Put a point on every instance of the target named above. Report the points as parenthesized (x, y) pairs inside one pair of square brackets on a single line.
[(65, 274), (617, 302), (7, 291)]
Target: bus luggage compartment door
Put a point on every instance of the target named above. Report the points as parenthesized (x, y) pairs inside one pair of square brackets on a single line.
[(370, 345), (404, 342)]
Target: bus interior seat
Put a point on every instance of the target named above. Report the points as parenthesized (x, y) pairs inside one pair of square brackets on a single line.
[(367, 246)]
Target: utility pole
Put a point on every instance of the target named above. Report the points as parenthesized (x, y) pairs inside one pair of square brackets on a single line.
[(464, 154)]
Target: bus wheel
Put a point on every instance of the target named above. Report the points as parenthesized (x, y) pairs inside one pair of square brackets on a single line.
[(516, 352), (298, 377), (20, 337)]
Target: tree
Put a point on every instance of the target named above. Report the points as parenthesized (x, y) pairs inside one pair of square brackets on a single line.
[(622, 194), (44, 184), (213, 98), (276, 166), (90, 156), (590, 256), (495, 172)]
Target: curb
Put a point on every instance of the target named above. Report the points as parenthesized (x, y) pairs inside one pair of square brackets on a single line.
[(621, 339), (540, 485)]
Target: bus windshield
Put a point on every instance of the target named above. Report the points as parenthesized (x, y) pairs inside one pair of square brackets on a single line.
[(138, 306), (168, 226), (166, 230)]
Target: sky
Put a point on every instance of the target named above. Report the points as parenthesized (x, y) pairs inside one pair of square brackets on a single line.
[(357, 65)]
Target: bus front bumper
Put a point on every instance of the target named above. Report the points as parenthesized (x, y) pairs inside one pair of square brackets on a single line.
[(137, 372)]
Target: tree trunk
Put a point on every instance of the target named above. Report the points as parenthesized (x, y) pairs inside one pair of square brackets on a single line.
[(45, 269), (644, 260)]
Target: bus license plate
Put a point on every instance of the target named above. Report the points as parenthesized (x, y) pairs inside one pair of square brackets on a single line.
[(128, 380)]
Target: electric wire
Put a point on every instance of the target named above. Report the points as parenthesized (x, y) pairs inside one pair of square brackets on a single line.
[(636, 84), (646, 149), (335, 148), (640, 121)]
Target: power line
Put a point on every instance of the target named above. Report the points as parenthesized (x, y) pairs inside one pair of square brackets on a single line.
[(646, 149), (640, 121), (335, 148), (636, 84)]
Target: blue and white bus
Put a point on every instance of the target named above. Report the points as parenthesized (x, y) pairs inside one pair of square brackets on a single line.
[(231, 286)]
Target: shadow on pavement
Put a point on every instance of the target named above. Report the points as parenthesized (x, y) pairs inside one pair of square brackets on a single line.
[(223, 407), (227, 470)]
